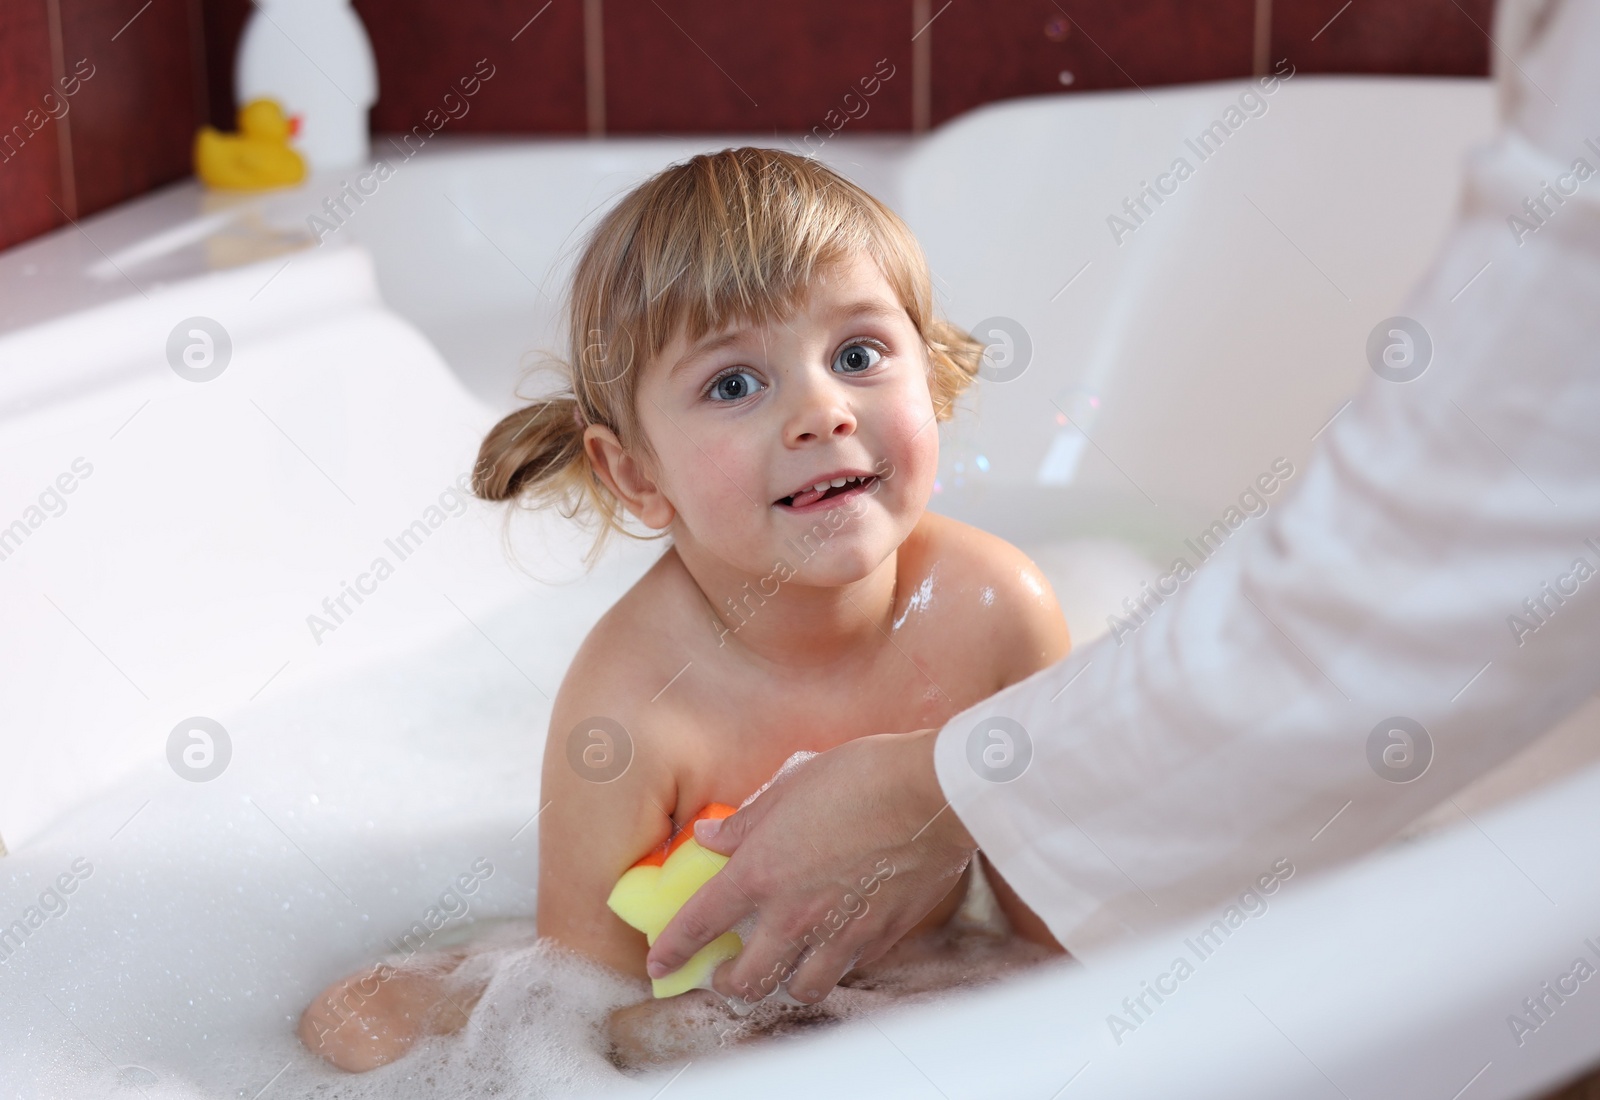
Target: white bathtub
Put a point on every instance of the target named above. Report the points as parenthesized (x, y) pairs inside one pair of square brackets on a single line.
[(373, 763)]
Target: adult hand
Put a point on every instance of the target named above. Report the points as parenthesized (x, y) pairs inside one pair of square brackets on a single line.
[(838, 859)]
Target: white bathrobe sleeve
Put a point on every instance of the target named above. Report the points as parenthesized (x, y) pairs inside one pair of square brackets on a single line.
[(1438, 561)]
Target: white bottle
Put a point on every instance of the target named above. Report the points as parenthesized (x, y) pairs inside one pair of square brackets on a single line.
[(314, 58)]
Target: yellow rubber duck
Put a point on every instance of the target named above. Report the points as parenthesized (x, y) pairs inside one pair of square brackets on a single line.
[(257, 157)]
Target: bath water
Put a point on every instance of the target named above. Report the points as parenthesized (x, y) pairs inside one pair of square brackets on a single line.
[(349, 809)]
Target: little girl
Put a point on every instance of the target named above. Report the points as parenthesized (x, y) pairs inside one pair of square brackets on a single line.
[(757, 373)]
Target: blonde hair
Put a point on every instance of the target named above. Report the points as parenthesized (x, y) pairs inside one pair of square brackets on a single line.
[(724, 238)]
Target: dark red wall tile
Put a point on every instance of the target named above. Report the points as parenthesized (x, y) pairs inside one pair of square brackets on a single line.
[(1434, 37), (671, 66), (133, 121), (706, 66), (424, 47), (224, 25), (984, 50), (30, 160)]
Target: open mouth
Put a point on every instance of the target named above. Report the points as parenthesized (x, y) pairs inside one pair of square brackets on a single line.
[(838, 487)]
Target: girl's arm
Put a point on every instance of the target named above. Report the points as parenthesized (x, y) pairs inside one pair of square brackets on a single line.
[(594, 826)]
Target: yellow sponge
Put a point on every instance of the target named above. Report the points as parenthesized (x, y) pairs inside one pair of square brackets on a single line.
[(652, 891)]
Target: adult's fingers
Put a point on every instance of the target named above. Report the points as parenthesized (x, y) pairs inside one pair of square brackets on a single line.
[(712, 910), (821, 970), (723, 836), (845, 939), (761, 966)]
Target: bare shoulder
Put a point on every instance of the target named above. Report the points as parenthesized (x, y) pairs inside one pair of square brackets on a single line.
[(998, 590), (973, 558)]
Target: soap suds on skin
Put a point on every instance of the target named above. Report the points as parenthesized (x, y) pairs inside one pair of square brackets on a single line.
[(540, 1028), (786, 769)]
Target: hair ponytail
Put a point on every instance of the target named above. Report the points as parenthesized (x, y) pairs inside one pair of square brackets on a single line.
[(534, 457), (529, 451)]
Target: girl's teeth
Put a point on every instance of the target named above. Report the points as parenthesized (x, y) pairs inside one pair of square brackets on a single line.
[(822, 487)]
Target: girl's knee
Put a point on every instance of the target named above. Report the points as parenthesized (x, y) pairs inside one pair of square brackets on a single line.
[(370, 1019)]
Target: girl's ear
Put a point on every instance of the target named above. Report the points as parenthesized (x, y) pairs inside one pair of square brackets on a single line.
[(626, 477)]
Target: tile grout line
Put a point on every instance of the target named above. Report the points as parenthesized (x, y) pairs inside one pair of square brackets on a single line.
[(921, 67), (1261, 54), (58, 66), (594, 67)]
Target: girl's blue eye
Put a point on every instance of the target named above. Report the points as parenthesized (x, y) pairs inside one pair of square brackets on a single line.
[(734, 386), (855, 358)]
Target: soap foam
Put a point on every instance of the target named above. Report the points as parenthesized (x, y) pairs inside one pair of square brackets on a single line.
[(537, 1030), (785, 770), (540, 1027)]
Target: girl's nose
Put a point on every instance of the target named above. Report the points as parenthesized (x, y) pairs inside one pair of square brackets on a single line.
[(820, 412)]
